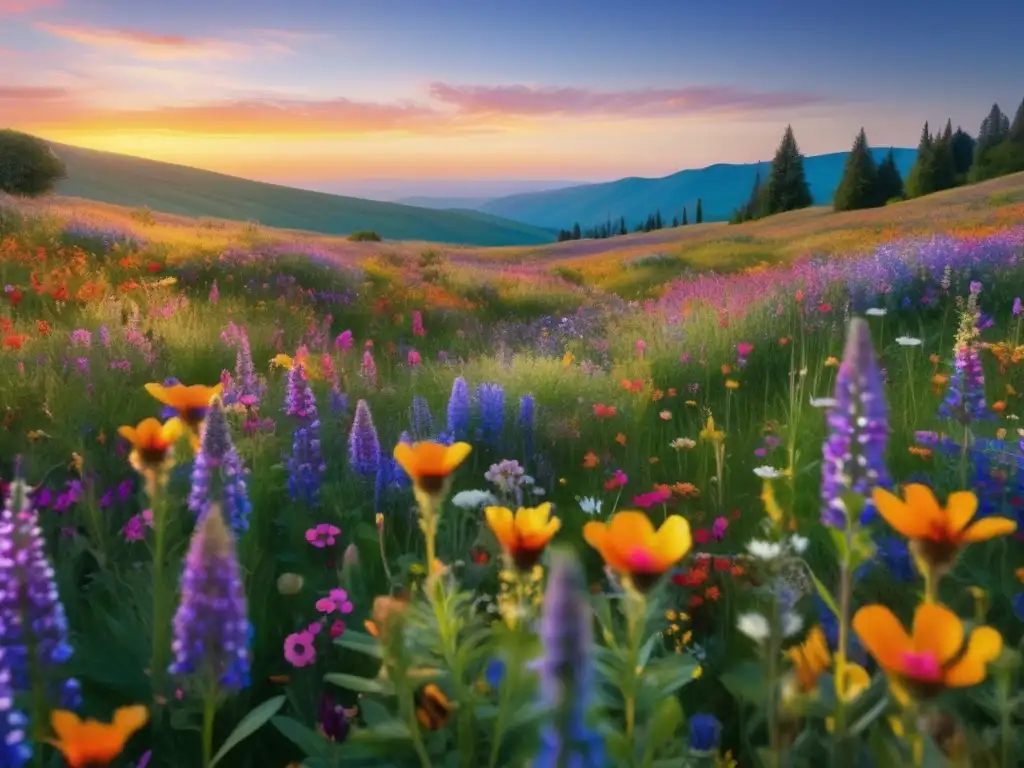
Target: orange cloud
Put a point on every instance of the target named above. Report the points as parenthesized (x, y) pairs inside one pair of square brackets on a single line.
[(12, 7), (533, 101), (148, 45)]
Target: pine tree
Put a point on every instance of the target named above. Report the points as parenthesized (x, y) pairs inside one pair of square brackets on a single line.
[(576, 231), (699, 219), (1015, 133), (787, 188), (675, 222), (994, 130), (685, 222), (963, 152), (622, 225), (889, 185), (657, 219), (919, 180), (858, 187), (943, 168)]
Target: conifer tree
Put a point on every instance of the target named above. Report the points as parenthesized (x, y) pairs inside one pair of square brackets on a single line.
[(1015, 133), (919, 180), (787, 188), (943, 169), (994, 130), (576, 231), (675, 222), (858, 187), (889, 182), (752, 208), (685, 222), (963, 152), (622, 225), (657, 219), (699, 218)]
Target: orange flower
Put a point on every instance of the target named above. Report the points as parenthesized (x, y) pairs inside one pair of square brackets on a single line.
[(630, 545), (191, 402), (524, 535), (939, 383), (431, 464), (810, 659), (152, 443), (590, 460), (924, 453), (999, 406), (937, 534), (88, 742), (387, 611), (935, 656), (621, 438)]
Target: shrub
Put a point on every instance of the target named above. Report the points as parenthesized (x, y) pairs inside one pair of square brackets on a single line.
[(28, 167), (365, 236)]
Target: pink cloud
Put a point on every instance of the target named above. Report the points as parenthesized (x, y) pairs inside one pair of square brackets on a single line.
[(147, 45), (531, 101), (12, 7), (31, 93)]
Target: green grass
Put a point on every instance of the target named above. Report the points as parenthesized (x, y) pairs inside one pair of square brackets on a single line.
[(177, 189)]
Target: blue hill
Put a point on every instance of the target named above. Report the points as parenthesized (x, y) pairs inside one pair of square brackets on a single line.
[(721, 187)]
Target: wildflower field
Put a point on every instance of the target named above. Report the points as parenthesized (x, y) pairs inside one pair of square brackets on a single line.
[(277, 500)]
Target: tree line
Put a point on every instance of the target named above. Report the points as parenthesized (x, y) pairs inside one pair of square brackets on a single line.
[(615, 229)]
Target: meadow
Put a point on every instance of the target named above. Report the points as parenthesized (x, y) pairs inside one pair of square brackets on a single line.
[(708, 496)]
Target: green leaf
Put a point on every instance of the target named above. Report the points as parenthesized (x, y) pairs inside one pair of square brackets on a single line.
[(666, 721), (361, 684), (373, 712), (306, 739), (670, 674), (746, 682), (251, 723), (618, 748), (364, 644), (647, 650), (824, 594)]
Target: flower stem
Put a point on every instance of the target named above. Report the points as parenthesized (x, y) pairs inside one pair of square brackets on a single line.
[(209, 710), (929, 585), (161, 621), (636, 609)]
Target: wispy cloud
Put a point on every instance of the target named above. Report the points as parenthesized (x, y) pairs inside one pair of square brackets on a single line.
[(532, 101), (12, 7), (148, 45), (32, 93)]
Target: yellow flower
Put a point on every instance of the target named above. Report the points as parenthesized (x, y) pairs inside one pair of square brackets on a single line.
[(282, 361), (432, 708), (431, 464), (831, 362), (710, 433), (567, 359), (77, 464), (732, 384), (190, 402), (630, 545), (810, 659), (525, 535), (937, 534), (152, 443), (88, 742), (935, 656)]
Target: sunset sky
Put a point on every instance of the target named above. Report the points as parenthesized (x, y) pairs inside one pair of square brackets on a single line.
[(322, 91)]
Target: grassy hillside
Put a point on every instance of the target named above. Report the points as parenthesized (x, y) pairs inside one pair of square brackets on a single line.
[(722, 188), (177, 189)]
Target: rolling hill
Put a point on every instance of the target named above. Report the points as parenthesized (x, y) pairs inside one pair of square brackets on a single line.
[(722, 188), (168, 188)]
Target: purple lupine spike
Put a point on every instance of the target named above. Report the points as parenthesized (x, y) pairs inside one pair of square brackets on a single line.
[(363, 445), (964, 402), (299, 402), (33, 627), (305, 465), (339, 401), (248, 390), (459, 409), (422, 421), (15, 748), (211, 627), (218, 473), (853, 457), (368, 369), (491, 400), (527, 409), (565, 669)]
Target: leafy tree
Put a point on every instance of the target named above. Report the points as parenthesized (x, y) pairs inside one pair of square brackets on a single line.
[(699, 218), (858, 187), (685, 222), (888, 180), (28, 167), (787, 188), (963, 152)]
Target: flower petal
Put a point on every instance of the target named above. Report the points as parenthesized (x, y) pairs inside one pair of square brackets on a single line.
[(883, 635), (598, 535), (455, 455), (128, 720), (988, 528), (983, 646), (540, 535), (129, 434), (158, 391), (64, 724), (629, 534), (915, 518), (937, 630), (960, 509), (672, 541), (500, 521), (406, 458)]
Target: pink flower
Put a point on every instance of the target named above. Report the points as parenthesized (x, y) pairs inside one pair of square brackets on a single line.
[(299, 650), (417, 324), (337, 629), (344, 341), (314, 628), (718, 528), (415, 358), (323, 535), (134, 530), (649, 499), (326, 605), (340, 599), (641, 347)]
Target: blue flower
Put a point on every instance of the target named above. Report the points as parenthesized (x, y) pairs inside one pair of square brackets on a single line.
[(705, 733)]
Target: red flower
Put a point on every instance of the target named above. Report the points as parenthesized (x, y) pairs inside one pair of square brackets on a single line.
[(15, 297), (696, 601), (702, 536), (603, 411), (722, 563)]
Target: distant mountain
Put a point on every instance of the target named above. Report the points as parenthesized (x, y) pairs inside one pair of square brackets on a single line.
[(178, 189), (722, 188), (447, 203)]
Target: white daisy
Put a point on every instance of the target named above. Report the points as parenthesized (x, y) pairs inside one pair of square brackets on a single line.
[(798, 543), (755, 626), (824, 402), (764, 550), (875, 312), (474, 499), (591, 506), (768, 473), (908, 341)]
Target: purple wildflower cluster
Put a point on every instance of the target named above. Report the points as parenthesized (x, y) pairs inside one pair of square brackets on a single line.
[(421, 418), (526, 425), (491, 402), (459, 409), (853, 457), (211, 627), (218, 474), (246, 387), (306, 465), (363, 444), (33, 627)]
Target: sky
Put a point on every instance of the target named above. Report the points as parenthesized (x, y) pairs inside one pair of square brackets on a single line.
[(447, 97)]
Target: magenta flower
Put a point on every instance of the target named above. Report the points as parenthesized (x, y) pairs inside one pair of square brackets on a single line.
[(649, 499), (344, 341), (719, 527), (415, 359), (134, 530), (325, 605), (323, 535), (299, 650), (340, 599)]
